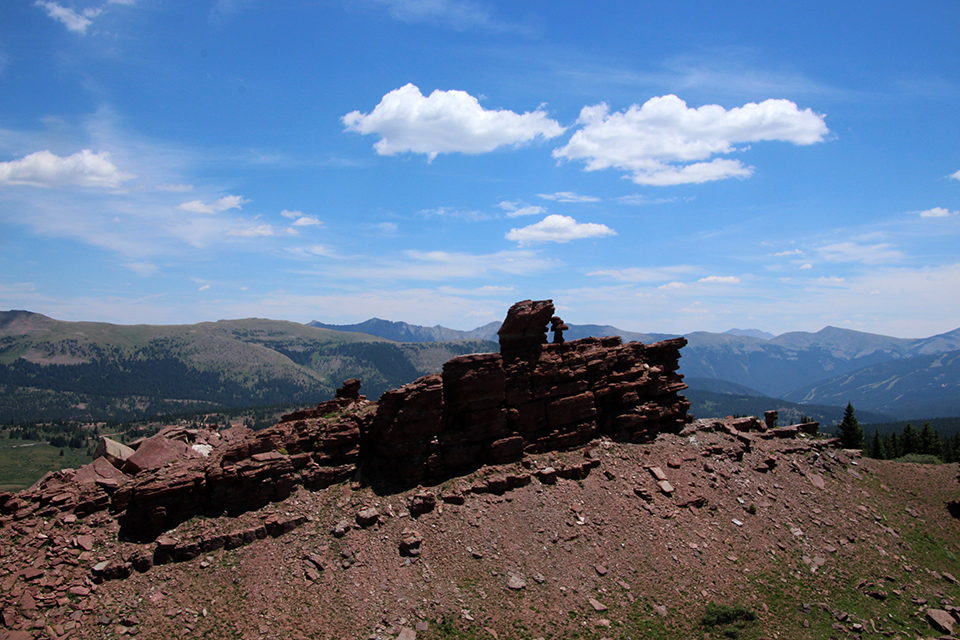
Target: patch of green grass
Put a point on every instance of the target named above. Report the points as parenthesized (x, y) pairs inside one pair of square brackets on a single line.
[(918, 458), (723, 614), (24, 462), (731, 619), (447, 629)]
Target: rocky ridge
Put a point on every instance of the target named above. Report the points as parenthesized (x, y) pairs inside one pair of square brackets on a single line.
[(575, 515)]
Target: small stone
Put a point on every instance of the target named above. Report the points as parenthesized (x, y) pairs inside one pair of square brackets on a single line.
[(817, 481), (422, 502), (340, 529), (367, 517), (31, 573), (661, 609), (407, 634), (600, 569), (658, 473), (410, 544), (84, 542), (547, 475), (516, 583), (597, 605)]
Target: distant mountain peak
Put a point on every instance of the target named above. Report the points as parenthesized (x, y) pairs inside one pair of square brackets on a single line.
[(751, 333), (18, 321)]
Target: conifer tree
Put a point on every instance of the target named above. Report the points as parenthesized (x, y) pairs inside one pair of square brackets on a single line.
[(909, 441), (851, 433), (893, 447), (877, 450), (930, 441)]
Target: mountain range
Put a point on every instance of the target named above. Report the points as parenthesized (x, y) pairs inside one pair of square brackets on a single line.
[(86, 370), (882, 375)]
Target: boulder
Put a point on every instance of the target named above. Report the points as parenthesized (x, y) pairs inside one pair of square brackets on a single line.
[(116, 453), (154, 453)]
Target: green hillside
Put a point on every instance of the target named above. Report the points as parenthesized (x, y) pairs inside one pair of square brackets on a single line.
[(51, 369)]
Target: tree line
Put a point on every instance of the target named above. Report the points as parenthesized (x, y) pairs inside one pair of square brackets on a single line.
[(896, 444), (925, 441)]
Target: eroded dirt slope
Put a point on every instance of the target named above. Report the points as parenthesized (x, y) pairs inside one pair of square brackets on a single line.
[(814, 541)]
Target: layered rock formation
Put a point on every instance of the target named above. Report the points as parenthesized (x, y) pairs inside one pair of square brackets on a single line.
[(531, 397), (492, 408)]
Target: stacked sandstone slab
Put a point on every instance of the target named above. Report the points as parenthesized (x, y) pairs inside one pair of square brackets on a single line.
[(314, 448), (531, 397)]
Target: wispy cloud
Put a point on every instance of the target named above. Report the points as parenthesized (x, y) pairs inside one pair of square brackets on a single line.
[(639, 199), (301, 220), (855, 252), (459, 15), (567, 196), (223, 204), (455, 213), (937, 212), (720, 280), (557, 228), (73, 21), (259, 231), (446, 122), (142, 268), (636, 274), (518, 208), (223, 10), (664, 142)]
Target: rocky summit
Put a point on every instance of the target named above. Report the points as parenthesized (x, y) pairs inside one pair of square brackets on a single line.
[(555, 489)]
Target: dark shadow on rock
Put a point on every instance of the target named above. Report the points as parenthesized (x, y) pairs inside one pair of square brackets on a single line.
[(954, 508)]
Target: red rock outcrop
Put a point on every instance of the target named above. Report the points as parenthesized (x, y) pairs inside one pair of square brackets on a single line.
[(531, 397), (310, 448)]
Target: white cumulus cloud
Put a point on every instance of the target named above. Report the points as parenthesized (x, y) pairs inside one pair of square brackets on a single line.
[(223, 204), (557, 228), (936, 212), (955, 176), (720, 280), (45, 169), (446, 122), (664, 142)]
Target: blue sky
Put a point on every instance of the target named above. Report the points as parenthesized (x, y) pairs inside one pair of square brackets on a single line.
[(656, 166)]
